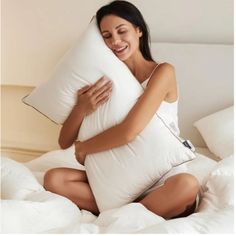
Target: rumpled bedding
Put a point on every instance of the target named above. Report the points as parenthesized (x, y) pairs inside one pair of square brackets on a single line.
[(27, 208)]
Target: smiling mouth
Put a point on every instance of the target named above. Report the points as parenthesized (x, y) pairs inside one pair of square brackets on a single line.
[(120, 50)]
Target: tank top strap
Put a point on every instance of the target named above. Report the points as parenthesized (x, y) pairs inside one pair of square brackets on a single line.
[(154, 70)]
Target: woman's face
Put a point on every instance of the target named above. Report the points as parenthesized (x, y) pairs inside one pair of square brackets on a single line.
[(120, 36)]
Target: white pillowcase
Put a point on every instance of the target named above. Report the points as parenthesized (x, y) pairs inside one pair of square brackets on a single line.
[(120, 175), (82, 65), (217, 131)]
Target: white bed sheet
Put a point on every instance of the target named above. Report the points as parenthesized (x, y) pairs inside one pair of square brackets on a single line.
[(40, 211)]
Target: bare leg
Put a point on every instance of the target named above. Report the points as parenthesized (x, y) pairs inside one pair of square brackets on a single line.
[(174, 198), (73, 184)]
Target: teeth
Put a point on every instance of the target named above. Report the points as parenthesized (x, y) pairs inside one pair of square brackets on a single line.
[(120, 49)]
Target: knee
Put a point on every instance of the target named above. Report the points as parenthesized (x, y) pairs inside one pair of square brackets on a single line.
[(52, 179), (189, 186)]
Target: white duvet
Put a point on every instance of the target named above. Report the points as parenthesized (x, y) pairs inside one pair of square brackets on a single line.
[(27, 208)]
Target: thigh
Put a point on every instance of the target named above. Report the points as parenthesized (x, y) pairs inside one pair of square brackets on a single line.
[(65, 174), (182, 187), (176, 196), (173, 172)]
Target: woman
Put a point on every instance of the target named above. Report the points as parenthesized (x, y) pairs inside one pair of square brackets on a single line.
[(125, 33)]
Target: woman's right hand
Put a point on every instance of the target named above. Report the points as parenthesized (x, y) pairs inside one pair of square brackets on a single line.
[(90, 97)]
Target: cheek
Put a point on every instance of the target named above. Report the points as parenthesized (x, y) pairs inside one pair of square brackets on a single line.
[(134, 41), (108, 43)]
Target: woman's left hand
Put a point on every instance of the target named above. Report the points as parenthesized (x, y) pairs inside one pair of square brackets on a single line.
[(79, 153)]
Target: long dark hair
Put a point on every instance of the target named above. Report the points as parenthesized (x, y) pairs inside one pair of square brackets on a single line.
[(129, 12)]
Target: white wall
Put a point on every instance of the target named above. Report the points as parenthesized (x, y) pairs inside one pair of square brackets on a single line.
[(36, 33), (189, 21)]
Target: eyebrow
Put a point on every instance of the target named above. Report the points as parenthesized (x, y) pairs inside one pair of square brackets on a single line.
[(115, 28)]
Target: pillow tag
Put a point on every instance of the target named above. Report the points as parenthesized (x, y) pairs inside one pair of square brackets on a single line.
[(189, 145), (186, 143)]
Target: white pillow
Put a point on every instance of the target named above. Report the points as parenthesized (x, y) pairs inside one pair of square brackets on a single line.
[(84, 64), (217, 131), (17, 181), (120, 175)]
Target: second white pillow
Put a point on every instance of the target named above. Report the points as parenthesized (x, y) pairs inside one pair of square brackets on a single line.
[(217, 131)]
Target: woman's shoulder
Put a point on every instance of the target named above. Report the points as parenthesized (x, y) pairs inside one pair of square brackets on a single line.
[(164, 78), (163, 71), (166, 67)]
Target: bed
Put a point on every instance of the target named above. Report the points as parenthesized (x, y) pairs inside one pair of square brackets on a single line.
[(29, 148), (28, 208)]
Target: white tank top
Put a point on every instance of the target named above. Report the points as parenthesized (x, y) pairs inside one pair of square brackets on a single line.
[(167, 111)]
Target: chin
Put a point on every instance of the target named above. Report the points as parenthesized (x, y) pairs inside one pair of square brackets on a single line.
[(124, 57)]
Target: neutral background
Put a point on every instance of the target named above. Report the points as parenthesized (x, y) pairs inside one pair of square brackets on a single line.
[(36, 34)]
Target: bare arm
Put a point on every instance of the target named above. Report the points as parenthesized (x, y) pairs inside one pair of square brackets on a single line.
[(88, 100), (70, 128), (138, 117)]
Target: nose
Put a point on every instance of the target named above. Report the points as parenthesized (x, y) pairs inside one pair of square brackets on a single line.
[(115, 40)]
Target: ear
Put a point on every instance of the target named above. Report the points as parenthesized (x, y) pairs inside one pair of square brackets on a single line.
[(140, 33)]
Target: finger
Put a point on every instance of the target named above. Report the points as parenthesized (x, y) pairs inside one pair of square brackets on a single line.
[(102, 96), (105, 88), (98, 85), (103, 78), (102, 101), (83, 90)]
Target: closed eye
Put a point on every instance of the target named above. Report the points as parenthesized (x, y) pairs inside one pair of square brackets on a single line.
[(122, 30), (106, 36)]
